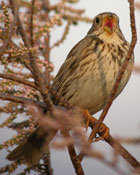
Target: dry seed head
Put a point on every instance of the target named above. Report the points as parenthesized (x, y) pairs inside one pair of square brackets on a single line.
[(7, 18)]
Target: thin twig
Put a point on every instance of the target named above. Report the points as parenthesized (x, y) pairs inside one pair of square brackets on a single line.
[(61, 100), (122, 151), (31, 22), (60, 6), (40, 82), (137, 68), (110, 140), (47, 164), (65, 33), (21, 100), (74, 158), (18, 79), (119, 148), (46, 4), (76, 18)]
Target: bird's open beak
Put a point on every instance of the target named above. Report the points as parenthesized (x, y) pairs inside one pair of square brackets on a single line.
[(109, 24)]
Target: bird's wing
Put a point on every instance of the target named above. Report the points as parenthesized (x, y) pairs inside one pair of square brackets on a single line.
[(78, 52)]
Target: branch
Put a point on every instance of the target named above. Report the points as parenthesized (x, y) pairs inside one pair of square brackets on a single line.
[(137, 68), (76, 18), (21, 100), (46, 53), (31, 22), (51, 90), (63, 37), (122, 151), (118, 147), (47, 164), (17, 79), (110, 140), (61, 100), (35, 71), (60, 6), (74, 158)]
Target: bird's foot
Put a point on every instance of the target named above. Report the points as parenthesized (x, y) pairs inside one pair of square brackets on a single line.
[(103, 133)]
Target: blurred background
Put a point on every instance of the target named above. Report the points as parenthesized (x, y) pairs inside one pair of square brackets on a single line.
[(123, 118)]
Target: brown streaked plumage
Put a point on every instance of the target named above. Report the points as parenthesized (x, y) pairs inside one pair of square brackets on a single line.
[(86, 77)]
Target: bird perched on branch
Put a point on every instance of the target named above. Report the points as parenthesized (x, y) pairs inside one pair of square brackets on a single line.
[(86, 78)]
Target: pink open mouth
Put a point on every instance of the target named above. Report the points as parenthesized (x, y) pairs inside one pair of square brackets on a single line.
[(110, 24)]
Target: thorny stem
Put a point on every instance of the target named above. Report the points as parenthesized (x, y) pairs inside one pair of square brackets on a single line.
[(120, 74)]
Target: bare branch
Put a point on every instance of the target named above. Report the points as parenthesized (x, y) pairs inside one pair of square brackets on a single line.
[(21, 100), (17, 79), (31, 22), (35, 71), (75, 160)]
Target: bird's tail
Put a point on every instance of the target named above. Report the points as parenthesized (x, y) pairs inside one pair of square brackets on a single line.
[(33, 147)]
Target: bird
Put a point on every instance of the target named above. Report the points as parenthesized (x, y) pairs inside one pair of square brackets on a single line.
[(86, 78)]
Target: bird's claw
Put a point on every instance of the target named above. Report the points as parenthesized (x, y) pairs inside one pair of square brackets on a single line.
[(103, 132)]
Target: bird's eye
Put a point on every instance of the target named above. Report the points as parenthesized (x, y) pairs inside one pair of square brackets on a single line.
[(97, 20)]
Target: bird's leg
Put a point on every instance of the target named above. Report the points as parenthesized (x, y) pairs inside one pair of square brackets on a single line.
[(91, 121), (88, 118)]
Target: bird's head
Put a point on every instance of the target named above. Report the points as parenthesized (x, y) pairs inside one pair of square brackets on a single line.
[(109, 23), (105, 25)]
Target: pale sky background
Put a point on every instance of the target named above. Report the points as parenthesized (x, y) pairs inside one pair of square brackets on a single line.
[(123, 118)]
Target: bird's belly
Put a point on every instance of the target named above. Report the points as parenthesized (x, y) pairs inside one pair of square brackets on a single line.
[(92, 96), (92, 93)]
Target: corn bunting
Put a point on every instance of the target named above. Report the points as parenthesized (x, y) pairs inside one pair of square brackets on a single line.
[(86, 77)]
